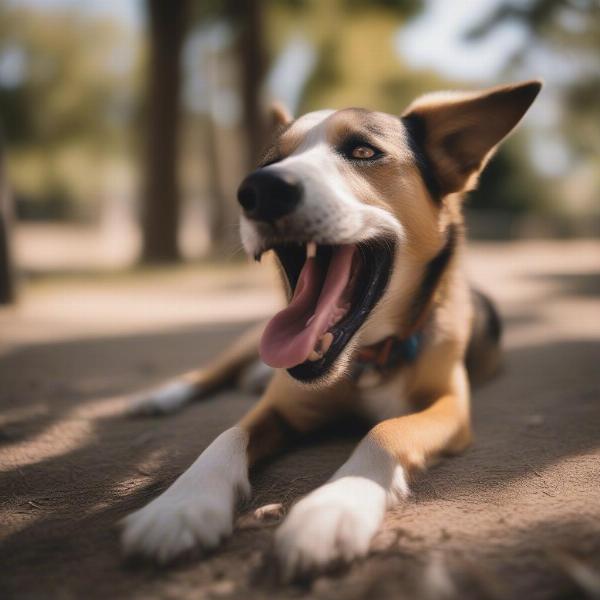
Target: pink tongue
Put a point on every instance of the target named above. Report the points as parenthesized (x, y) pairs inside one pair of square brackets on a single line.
[(287, 340)]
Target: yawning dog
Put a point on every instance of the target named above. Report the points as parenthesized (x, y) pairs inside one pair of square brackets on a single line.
[(363, 212)]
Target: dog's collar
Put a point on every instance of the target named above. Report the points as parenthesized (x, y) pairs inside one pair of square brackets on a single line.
[(373, 362)]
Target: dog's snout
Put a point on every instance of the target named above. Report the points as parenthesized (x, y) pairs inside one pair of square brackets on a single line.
[(268, 196)]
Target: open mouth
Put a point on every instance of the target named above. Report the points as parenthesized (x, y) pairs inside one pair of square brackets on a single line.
[(333, 290)]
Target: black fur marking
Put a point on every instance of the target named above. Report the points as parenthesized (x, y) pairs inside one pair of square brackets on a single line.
[(416, 132), (434, 271), (490, 316), (482, 356)]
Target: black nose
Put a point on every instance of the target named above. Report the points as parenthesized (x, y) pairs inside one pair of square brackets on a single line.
[(268, 195)]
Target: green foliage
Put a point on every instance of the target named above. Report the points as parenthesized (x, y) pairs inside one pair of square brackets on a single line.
[(402, 8), (324, 76), (582, 100), (71, 64), (70, 105), (568, 32), (508, 184), (563, 28), (75, 107)]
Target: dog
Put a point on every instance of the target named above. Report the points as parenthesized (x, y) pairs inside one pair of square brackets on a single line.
[(363, 213)]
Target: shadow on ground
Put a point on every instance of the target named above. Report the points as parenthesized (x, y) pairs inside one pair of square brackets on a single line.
[(71, 469)]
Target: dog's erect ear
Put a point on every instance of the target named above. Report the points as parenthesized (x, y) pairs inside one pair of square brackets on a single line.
[(456, 133), (279, 115)]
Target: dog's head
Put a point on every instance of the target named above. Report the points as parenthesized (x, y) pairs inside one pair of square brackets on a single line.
[(345, 198)]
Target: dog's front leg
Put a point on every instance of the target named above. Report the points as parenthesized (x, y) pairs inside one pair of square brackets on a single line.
[(223, 370), (197, 510), (337, 521)]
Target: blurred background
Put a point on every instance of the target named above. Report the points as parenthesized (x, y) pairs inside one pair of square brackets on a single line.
[(125, 128), (126, 125)]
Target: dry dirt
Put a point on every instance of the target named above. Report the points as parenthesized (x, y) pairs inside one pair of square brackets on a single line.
[(517, 516)]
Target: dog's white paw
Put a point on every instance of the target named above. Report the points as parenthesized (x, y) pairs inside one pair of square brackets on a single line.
[(335, 523), (197, 510), (171, 525), (166, 399)]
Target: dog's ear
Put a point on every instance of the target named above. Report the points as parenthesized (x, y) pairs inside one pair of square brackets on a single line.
[(279, 115), (456, 133)]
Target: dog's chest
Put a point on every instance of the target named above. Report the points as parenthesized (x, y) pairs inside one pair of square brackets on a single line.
[(385, 401)]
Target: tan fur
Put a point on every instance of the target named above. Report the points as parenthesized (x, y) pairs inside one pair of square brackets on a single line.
[(461, 132), (286, 408), (279, 115)]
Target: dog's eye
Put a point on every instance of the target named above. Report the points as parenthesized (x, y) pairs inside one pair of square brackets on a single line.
[(356, 148), (362, 152)]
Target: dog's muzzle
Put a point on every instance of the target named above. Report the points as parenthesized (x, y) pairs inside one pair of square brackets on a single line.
[(334, 278)]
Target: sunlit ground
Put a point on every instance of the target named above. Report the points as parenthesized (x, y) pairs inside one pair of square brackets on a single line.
[(76, 346)]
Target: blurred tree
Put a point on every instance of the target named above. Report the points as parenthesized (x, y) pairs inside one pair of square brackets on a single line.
[(228, 36), (248, 19), (67, 83), (357, 62), (356, 34), (161, 202), (566, 34), (508, 184), (7, 278), (567, 30)]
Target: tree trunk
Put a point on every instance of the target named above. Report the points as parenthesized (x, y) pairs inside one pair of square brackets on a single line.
[(219, 221), (161, 202), (7, 274), (218, 218), (248, 15)]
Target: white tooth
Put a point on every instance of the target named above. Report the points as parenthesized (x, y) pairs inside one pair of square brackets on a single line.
[(311, 249), (325, 342), (314, 355)]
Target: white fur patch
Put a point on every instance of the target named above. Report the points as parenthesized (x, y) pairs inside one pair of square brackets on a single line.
[(166, 399), (337, 521), (197, 510), (329, 213)]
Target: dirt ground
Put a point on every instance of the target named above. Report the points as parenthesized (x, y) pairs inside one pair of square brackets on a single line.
[(517, 516)]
